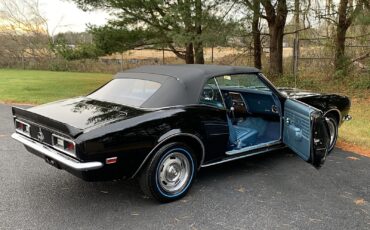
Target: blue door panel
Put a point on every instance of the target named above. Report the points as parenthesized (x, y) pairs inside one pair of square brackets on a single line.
[(297, 128)]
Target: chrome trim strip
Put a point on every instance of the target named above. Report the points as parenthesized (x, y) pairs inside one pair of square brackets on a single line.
[(219, 90), (241, 157), (336, 110), (44, 127), (250, 148), (49, 152), (167, 138)]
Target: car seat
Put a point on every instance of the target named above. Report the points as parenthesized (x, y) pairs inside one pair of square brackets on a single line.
[(241, 137)]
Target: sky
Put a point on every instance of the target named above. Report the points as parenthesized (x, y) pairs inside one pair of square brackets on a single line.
[(63, 15)]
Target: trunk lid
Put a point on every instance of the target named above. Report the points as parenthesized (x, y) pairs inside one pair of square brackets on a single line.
[(73, 116)]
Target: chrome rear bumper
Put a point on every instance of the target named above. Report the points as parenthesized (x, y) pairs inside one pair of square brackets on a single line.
[(55, 155)]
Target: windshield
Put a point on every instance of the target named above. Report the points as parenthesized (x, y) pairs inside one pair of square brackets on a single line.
[(131, 92), (249, 81)]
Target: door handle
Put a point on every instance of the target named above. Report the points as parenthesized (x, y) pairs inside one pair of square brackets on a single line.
[(274, 109)]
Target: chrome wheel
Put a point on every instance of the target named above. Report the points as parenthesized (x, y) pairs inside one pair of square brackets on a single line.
[(333, 131), (174, 173), (170, 173)]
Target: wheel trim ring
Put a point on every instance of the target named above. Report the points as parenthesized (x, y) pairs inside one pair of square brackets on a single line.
[(174, 163), (332, 132)]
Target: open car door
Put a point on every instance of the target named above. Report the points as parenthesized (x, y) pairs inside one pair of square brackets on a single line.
[(305, 132)]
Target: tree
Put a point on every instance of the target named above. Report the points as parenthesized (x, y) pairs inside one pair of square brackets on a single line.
[(111, 39), (346, 14), (341, 15), (178, 25), (276, 15), (76, 52), (256, 35), (255, 7), (23, 30)]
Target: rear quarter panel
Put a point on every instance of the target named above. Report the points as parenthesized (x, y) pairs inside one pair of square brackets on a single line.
[(133, 139)]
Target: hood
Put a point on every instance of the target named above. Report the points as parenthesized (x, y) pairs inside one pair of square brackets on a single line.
[(84, 113), (296, 93)]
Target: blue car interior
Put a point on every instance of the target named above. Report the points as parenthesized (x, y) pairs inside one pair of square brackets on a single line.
[(251, 118), (253, 115), (240, 136)]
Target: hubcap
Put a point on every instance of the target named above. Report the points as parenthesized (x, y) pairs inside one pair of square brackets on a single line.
[(174, 172)]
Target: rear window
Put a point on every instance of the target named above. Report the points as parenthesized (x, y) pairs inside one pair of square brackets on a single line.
[(131, 92)]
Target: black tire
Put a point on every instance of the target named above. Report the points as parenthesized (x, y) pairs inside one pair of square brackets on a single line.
[(333, 131), (155, 179)]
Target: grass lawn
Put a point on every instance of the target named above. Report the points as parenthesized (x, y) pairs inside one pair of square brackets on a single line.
[(37, 87), (357, 131)]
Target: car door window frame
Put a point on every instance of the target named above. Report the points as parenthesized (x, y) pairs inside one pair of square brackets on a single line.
[(218, 91)]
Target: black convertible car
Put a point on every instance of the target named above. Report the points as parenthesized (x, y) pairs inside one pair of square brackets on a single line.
[(163, 123)]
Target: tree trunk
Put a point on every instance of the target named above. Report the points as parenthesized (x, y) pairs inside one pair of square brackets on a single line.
[(280, 41), (198, 43), (296, 38), (340, 41), (276, 49), (256, 33), (276, 22), (189, 54), (340, 47), (198, 48), (274, 53), (199, 56)]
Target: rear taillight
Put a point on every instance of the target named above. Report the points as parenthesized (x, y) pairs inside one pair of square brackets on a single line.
[(22, 127), (63, 144)]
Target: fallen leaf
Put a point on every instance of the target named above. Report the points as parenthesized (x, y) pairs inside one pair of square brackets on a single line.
[(315, 220), (2, 135), (360, 201), (353, 158), (241, 189)]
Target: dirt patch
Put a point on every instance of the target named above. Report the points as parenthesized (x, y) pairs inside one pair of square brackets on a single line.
[(353, 158), (353, 148), (16, 103)]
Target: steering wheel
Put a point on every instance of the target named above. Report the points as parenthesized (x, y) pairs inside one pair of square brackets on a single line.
[(208, 92)]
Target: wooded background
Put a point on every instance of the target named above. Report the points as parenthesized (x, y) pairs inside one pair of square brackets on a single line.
[(280, 37)]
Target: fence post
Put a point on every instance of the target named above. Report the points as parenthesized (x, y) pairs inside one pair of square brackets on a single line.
[(163, 55), (212, 54), (121, 61), (23, 62), (295, 59)]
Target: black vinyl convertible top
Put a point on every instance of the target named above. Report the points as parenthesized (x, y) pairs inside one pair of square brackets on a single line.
[(180, 84)]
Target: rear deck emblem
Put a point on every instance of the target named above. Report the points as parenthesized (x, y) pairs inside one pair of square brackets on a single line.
[(40, 135)]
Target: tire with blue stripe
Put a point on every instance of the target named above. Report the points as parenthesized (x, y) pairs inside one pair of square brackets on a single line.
[(150, 179), (333, 131)]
